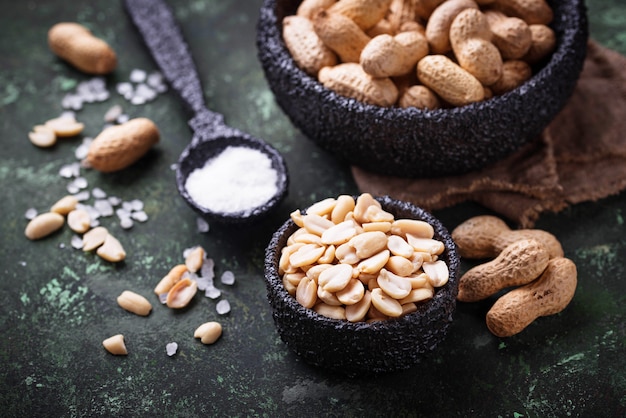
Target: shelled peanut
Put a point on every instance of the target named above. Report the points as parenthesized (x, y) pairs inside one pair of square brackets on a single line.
[(458, 51), (350, 259), (530, 261)]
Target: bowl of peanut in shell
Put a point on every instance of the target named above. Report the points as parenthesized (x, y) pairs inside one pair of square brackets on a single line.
[(422, 88), (362, 285)]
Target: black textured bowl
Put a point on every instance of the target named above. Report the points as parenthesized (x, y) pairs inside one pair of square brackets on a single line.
[(422, 143), (363, 348)]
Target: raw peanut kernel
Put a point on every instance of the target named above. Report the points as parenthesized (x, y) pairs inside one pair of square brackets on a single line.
[(94, 238), (181, 293), (65, 205), (209, 332), (43, 225), (170, 279), (42, 136), (115, 345), (135, 303), (111, 250), (79, 221), (65, 126)]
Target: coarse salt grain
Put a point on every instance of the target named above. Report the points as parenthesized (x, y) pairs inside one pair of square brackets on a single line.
[(171, 348), (222, 307), (239, 179)]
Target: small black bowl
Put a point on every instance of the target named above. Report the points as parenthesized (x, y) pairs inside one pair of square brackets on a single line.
[(423, 143), (362, 348)]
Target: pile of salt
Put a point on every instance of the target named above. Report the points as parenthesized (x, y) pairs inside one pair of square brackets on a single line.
[(239, 179)]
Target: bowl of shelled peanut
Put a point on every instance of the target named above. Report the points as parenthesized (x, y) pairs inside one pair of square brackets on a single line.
[(362, 285), (422, 88)]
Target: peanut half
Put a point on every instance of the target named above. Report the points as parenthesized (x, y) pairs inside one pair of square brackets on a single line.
[(135, 303), (43, 225), (115, 345)]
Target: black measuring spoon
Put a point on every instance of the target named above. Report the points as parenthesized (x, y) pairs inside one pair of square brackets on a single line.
[(211, 136)]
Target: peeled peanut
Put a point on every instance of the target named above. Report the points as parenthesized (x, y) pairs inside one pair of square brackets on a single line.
[(135, 303), (548, 295), (486, 236), (170, 279), (42, 136), (350, 80), (119, 146), (65, 205), (305, 46), (64, 126), (78, 46), (451, 82), (518, 264), (94, 238), (209, 332), (181, 293), (43, 225), (115, 345), (79, 221), (111, 250)]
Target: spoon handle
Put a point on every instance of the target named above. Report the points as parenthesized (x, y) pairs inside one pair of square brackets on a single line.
[(162, 35)]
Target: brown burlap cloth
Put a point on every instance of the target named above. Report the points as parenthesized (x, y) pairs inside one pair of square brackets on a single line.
[(580, 156)]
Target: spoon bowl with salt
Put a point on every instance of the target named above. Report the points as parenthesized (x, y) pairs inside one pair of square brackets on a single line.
[(224, 174)]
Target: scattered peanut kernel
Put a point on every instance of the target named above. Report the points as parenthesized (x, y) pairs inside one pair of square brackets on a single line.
[(111, 250), (209, 332), (134, 303), (115, 345), (43, 225)]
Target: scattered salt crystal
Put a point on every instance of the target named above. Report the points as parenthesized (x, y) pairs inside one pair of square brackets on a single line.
[(72, 188), (122, 119), (94, 223), (124, 88), (81, 151), (113, 113), (68, 114), (126, 223), (82, 196), (127, 206), (204, 283), (62, 245), (212, 292), (81, 182), (103, 207), (77, 242), (72, 101), (136, 204), (174, 167), (137, 76), (137, 100), (202, 224), (30, 213), (239, 179), (207, 268), (69, 170), (155, 79), (222, 307), (228, 278), (171, 349), (114, 200), (98, 193), (140, 216)]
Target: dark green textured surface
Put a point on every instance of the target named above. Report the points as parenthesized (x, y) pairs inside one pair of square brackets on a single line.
[(58, 304)]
